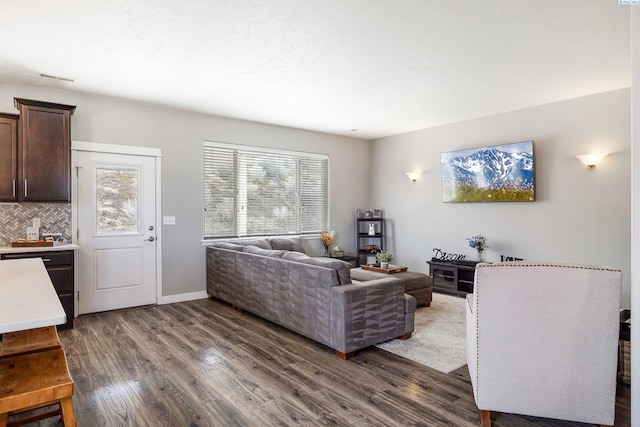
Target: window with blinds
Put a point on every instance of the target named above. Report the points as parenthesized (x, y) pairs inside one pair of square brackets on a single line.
[(249, 191)]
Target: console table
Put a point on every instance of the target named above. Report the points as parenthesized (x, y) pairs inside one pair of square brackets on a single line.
[(455, 278)]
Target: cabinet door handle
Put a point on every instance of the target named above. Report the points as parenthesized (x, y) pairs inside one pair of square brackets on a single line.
[(14, 188), (46, 259), (25, 189)]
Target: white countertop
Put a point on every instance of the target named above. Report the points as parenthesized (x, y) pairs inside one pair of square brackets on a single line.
[(11, 250), (27, 297)]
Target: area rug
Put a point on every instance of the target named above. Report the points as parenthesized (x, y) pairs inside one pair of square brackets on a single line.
[(438, 340)]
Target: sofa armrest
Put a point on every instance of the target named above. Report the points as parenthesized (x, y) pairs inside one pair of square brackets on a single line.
[(367, 313), (221, 273)]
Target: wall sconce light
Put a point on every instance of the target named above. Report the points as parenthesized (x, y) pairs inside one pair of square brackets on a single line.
[(591, 160), (413, 176)]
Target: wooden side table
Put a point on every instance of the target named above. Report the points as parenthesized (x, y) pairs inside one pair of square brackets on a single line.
[(350, 259)]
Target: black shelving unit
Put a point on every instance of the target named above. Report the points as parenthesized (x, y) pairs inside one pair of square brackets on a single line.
[(363, 238)]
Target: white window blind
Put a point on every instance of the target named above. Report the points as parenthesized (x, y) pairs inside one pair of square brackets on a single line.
[(255, 192)]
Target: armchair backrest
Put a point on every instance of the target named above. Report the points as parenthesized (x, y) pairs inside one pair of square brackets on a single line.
[(545, 339)]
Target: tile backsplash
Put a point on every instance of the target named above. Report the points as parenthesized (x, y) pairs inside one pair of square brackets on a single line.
[(16, 217)]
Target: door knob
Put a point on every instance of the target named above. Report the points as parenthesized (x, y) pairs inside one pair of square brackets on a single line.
[(150, 239)]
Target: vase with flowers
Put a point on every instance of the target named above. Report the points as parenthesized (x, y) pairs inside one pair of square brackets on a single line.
[(327, 241), (479, 243)]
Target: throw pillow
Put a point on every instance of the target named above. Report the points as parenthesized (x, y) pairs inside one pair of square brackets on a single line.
[(295, 256), (264, 252), (227, 245), (260, 243), (288, 244)]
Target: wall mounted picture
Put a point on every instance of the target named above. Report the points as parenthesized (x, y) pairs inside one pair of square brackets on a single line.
[(498, 173)]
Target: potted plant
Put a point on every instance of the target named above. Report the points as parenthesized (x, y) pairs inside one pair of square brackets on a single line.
[(384, 257)]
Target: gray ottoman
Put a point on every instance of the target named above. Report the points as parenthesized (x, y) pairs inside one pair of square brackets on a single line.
[(416, 284)]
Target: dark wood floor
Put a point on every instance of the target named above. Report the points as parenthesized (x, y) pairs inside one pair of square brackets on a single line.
[(200, 363)]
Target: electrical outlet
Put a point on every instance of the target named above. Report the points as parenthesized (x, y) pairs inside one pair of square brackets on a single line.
[(36, 222)]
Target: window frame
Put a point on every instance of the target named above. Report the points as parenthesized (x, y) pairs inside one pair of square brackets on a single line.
[(257, 151)]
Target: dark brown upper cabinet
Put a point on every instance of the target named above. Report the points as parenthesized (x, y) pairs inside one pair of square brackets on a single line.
[(8, 157), (44, 151)]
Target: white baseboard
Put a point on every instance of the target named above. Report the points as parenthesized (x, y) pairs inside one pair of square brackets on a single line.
[(169, 299)]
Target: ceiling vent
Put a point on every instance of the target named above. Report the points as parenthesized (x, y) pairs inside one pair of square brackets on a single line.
[(64, 79)]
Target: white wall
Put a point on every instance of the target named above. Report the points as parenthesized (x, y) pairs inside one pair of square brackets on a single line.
[(635, 283), (179, 135), (580, 215)]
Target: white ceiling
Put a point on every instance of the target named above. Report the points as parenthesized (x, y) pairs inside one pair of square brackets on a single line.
[(383, 66)]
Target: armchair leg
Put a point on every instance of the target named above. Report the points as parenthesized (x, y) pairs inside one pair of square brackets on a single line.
[(484, 417)]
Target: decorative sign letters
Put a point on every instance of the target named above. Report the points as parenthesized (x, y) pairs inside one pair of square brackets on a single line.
[(441, 255)]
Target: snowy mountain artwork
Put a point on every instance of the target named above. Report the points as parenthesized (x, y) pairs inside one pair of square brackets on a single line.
[(500, 173)]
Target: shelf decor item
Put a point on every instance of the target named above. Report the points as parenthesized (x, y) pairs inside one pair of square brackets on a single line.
[(384, 257), (499, 173), (337, 252), (479, 243), (327, 240)]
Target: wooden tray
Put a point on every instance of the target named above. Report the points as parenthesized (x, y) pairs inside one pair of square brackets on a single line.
[(31, 244), (392, 269)]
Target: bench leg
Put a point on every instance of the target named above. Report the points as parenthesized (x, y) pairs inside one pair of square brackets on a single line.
[(3, 419), (68, 416)]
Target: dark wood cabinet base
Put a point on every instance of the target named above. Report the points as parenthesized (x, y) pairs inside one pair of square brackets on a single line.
[(59, 265), (454, 278)]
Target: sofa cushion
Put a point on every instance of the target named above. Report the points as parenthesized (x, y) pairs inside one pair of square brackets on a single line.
[(287, 243), (264, 252), (261, 243), (342, 268), (362, 275), (227, 245)]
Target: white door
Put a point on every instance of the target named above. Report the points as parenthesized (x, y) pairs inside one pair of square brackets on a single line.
[(116, 203)]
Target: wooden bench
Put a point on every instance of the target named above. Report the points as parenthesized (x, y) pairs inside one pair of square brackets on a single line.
[(29, 341), (32, 381)]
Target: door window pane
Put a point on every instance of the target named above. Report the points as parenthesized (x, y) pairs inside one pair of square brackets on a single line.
[(117, 194)]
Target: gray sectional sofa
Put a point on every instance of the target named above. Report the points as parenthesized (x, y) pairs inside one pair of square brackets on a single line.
[(312, 296)]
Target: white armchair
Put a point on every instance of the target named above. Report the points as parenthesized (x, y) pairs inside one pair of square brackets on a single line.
[(542, 340)]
